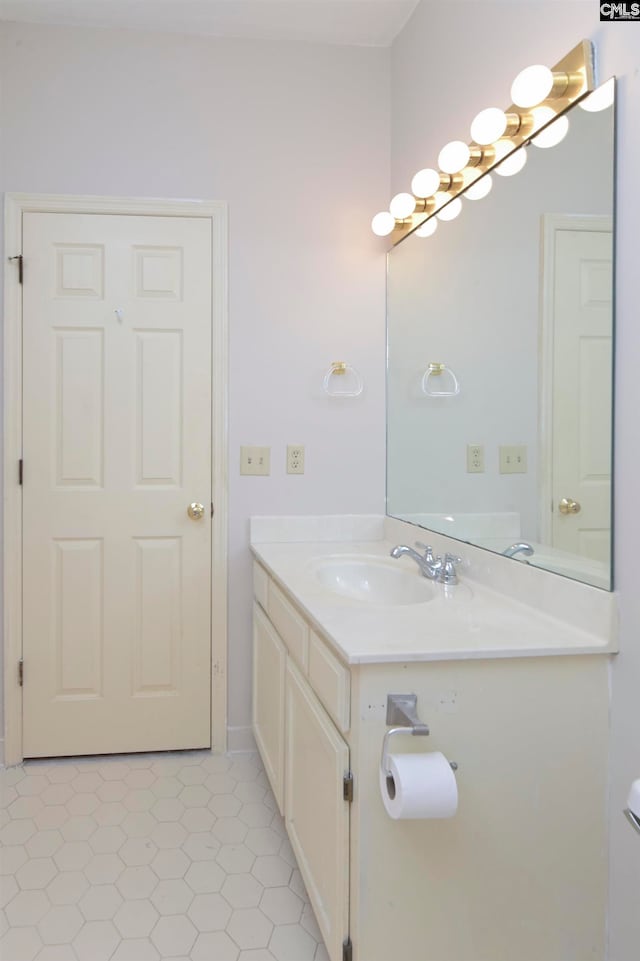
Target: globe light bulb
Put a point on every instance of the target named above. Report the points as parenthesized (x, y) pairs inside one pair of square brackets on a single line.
[(501, 149), (513, 164), (441, 198), (488, 126), (532, 86), (479, 189), (428, 228), (552, 134), (451, 211), (426, 182), (402, 206), (541, 116), (454, 157), (601, 98), (383, 223)]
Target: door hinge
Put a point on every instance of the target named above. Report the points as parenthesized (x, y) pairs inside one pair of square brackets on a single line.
[(20, 472), (347, 787), (20, 260), (212, 508), (21, 672), (347, 950)]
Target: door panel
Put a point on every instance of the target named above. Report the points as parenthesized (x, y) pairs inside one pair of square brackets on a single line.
[(269, 660), (582, 347), (117, 443), (316, 814)]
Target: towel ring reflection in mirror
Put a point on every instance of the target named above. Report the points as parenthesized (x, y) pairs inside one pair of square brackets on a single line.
[(353, 383), (436, 370)]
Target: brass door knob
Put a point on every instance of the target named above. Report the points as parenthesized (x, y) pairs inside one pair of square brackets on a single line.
[(568, 506), (195, 511)]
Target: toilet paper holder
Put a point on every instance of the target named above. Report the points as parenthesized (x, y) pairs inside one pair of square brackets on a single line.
[(632, 810), (402, 714), (633, 819)]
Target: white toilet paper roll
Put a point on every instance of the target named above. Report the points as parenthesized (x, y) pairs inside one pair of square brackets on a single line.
[(419, 786)]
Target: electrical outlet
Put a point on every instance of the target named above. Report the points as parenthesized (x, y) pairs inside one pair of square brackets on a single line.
[(513, 459), (475, 459), (255, 460), (295, 459)]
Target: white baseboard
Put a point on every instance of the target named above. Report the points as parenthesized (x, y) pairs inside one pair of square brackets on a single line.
[(240, 740)]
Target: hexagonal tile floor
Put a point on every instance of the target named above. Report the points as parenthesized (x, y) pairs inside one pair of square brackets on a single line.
[(145, 857)]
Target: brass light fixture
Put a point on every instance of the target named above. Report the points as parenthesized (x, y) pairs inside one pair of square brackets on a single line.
[(540, 98)]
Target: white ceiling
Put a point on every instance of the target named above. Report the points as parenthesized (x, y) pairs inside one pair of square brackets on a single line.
[(358, 22)]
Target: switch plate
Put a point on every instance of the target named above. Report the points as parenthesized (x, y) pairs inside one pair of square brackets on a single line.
[(295, 458), (513, 459), (255, 460), (475, 459)]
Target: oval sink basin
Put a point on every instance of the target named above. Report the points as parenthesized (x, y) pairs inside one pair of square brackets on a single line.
[(373, 579)]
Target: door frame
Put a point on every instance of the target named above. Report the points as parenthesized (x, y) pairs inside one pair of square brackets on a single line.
[(551, 225), (16, 204)]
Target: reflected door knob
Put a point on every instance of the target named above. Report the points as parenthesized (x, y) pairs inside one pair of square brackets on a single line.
[(195, 511), (568, 506)]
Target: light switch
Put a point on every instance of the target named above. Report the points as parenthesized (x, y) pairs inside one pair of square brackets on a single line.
[(255, 460), (513, 459)]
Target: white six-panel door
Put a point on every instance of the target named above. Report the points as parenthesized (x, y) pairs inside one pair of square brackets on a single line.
[(116, 445), (582, 345)]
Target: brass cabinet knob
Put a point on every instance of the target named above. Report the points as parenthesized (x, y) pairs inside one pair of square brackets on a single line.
[(568, 506), (195, 511)]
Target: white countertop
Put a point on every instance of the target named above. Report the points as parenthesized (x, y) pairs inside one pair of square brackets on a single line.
[(466, 621)]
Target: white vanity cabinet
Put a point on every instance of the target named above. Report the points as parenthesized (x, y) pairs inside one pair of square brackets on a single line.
[(300, 693), (519, 872)]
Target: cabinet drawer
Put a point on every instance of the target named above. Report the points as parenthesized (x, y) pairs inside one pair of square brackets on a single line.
[(290, 625), (330, 680), (260, 585)]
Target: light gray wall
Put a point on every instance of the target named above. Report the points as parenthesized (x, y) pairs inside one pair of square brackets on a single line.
[(450, 61), (295, 138)]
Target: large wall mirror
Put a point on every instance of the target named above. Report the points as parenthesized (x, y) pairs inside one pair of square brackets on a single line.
[(515, 299)]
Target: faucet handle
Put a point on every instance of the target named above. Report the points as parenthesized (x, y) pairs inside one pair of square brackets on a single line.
[(448, 573), (428, 551)]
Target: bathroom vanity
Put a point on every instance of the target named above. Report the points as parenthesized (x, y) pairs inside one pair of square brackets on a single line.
[(516, 697)]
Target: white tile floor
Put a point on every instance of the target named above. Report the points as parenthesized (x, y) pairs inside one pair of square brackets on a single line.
[(145, 857)]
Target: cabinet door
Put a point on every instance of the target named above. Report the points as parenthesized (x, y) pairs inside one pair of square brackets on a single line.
[(317, 816), (269, 660)]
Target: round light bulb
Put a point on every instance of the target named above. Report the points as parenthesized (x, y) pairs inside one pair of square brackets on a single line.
[(488, 126), (513, 164), (454, 157), (541, 116), (502, 148), (469, 176), (532, 86), (552, 134), (601, 98), (425, 183), (479, 189), (451, 211), (441, 199), (428, 228), (402, 206), (383, 223)]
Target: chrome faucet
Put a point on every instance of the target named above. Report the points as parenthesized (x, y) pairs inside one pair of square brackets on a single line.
[(434, 568), (522, 548)]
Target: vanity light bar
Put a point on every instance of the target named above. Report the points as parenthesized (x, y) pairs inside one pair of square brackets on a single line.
[(540, 96)]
